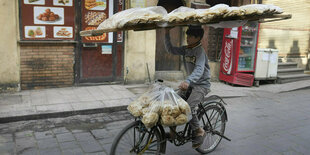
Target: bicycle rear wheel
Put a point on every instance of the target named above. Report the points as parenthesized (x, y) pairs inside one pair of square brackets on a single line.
[(135, 138), (217, 119)]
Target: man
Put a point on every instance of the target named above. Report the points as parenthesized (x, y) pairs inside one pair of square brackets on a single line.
[(197, 82)]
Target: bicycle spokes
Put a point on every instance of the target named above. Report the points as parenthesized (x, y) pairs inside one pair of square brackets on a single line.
[(212, 120)]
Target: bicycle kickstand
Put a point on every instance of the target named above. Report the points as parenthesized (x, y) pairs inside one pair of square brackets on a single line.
[(218, 133)]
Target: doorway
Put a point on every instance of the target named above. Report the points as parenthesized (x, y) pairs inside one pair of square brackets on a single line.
[(165, 61)]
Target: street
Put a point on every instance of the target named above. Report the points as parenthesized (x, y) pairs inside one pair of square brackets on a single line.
[(264, 123)]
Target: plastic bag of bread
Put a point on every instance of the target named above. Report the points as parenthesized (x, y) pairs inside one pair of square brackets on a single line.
[(184, 107), (135, 108), (160, 102), (167, 120), (181, 119), (150, 119)]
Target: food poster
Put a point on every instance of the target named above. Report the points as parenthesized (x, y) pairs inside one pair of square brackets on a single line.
[(94, 12), (54, 18)]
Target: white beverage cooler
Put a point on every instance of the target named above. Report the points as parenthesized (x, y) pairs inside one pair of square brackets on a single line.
[(266, 65)]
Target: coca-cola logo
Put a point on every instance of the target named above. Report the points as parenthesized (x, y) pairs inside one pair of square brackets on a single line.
[(227, 52)]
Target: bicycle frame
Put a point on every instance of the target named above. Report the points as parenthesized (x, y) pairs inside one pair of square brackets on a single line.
[(184, 135)]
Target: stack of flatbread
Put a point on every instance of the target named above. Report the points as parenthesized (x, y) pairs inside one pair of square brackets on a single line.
[(134, 17), (181, 14), (157, 16)]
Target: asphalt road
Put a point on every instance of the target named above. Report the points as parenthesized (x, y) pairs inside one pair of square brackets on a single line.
[(264, 123)]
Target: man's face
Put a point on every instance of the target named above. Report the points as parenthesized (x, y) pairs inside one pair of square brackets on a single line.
[(192, 39)]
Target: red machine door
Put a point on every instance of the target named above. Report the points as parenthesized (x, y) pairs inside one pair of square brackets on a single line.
[(227, 57)]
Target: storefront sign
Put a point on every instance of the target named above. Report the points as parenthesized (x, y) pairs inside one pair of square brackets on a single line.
[(234, 33), (106, 49), (119, 36), (101, 38), (94, 12), (47, 19)]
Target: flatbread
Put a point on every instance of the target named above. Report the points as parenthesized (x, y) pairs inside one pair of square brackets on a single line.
[(181, 14), (134, 16)]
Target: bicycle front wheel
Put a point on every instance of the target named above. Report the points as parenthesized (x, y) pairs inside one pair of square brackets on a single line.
[(135, 138), (216, 116)]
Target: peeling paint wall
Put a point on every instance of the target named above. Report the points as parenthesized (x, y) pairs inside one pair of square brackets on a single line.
[(139, 51), (9, 53)]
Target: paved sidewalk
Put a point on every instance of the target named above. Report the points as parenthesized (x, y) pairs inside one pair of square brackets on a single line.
[(60, 102)]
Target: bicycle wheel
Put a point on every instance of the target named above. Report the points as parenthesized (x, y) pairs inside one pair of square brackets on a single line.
[(217, 120), (135, 138)]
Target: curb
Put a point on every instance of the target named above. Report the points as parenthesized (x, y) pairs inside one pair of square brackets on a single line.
[(302, 88), (61, 114), (71, 113)]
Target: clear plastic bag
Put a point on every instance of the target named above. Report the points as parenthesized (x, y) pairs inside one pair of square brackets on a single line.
[(206, 15), (180, 14), (160, 103)]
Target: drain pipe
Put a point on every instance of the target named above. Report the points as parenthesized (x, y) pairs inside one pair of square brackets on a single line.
[(127, 71), (148, 72)]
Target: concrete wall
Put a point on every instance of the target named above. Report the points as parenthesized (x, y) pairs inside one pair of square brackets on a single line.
[(139, 51), (9, 53), (290, 37)]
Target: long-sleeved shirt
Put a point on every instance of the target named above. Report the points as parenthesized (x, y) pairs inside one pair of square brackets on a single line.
[(195, 62)]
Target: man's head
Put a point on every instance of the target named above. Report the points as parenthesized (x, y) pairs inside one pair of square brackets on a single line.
[(194, 34)]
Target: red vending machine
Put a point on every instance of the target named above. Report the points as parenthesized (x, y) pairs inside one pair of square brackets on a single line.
[(238, 57)]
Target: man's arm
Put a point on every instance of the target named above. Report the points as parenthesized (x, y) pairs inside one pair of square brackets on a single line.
[(199, 68), (169, 47)]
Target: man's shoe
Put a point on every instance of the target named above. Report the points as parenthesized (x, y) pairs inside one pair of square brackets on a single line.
[(198, 140)]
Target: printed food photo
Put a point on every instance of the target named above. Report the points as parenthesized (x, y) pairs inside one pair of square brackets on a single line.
[(94, 18), (49, 15), (95, 4), (63, 32), (62, 2), (35, 31)]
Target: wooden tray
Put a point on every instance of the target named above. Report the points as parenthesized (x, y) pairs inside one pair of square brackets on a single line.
[(146, 26)]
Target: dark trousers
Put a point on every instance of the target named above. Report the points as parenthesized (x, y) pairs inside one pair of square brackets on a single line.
[(193, 96)]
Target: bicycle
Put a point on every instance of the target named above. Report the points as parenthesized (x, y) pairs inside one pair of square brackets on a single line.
[(135, 138)]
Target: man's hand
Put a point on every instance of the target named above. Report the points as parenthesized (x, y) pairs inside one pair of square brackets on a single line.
[(184, 85)]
